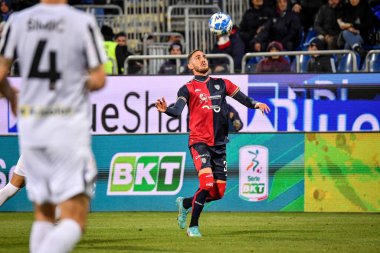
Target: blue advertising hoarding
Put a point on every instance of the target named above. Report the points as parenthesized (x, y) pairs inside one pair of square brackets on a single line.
[(316, 102)]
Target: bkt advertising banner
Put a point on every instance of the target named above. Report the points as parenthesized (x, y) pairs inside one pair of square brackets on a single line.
[(302, 102), (311, 172)]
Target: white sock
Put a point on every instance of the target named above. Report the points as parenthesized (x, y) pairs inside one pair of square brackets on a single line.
[(39, 230), (8, 191), (62, 238)]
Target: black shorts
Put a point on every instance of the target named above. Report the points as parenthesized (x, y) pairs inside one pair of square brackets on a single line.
[(214, 157)]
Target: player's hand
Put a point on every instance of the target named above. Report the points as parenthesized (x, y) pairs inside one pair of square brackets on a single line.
[(263, 107), (161, 105)]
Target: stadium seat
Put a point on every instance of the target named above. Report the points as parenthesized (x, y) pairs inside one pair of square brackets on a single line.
[(303, 64), (251, 64), (345, 63), (311, 34), (374, 63)]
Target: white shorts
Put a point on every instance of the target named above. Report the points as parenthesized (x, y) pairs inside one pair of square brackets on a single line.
[(20, 168), (56, 174)]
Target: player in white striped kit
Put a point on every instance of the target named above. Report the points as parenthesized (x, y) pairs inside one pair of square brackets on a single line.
[(60, 54)]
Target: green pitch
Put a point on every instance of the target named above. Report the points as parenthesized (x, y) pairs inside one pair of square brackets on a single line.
[(222, 232)]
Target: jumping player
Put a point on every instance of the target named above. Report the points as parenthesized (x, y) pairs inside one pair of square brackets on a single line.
[(61, 58), (206, 98)]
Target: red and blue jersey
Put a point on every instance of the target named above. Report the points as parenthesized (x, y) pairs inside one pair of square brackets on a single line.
[(206, 99)]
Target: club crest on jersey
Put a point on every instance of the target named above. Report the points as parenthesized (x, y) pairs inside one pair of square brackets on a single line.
[(217, 86)]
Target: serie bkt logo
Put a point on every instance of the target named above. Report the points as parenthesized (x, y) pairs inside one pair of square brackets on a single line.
[(253, 173), (146, 173)]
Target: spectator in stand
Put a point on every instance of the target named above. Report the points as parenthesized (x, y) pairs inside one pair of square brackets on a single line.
[(232, 45), (121, 39), (110, 48), (273, 63), (170, 66), (319, 63), (122, 53), (6, 9), (307, 9), (357, 21), (174, 39), (284, 27), (326, 24), (252, 24)]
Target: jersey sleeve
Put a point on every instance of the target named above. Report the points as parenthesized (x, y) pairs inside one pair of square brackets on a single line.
[(231, 88), (94, 49), (183, 94), (9, 39)]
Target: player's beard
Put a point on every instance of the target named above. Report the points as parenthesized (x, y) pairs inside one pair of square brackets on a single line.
[(202, 70)]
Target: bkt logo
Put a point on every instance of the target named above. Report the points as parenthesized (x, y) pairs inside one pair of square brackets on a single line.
[(146, 173), (253, 173)]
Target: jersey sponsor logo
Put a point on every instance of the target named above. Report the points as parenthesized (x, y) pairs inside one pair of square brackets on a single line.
[(159, 173), (253, 173), (202, 155), (215, 97), (197, 90), (216, 108), (43, 111)]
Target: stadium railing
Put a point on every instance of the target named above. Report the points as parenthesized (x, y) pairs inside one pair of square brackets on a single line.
[(235, 9), (372, 61), (298, 54), (156, 44), (143, 17), (115, 21), (114, 65), (195, 18), (145, 58)]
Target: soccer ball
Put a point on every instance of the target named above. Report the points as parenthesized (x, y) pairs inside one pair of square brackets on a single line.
[(220, 23)]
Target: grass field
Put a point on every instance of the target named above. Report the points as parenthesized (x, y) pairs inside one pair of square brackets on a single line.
[(222, 232)]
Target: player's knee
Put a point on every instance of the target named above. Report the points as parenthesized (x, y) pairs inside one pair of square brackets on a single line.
[(206, 181)]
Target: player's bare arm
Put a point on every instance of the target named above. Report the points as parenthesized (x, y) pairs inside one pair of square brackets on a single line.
[(5, 88), (96, 79)]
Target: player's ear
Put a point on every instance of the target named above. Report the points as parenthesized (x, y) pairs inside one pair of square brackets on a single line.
[(190, 66)]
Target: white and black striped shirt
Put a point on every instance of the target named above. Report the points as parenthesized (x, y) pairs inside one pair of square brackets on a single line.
[(55, 46)]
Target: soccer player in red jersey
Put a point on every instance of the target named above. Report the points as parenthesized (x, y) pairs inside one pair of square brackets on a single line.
[(206, 99)]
